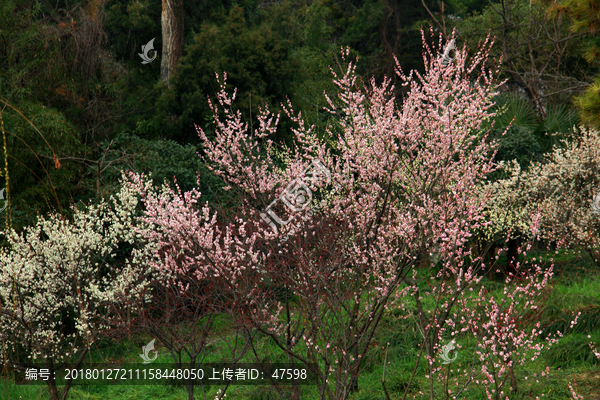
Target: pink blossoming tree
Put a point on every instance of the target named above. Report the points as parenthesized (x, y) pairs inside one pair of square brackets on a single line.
[(329, 233)]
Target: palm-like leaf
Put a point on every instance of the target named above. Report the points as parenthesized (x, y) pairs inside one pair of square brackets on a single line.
[(511, 107)]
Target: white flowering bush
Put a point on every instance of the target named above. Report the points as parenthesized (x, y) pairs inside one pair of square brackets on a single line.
[(566, 187), (559, 192), (59, 278), (507, 210)]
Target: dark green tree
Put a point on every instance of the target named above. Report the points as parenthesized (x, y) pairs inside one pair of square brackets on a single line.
[(256, 57), (585, 20)]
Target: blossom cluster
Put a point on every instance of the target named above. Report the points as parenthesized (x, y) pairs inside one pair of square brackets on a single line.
[(559, 191), (404, 177), (59, 277)]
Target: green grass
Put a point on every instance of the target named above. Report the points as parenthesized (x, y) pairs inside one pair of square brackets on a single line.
[(576, 289)]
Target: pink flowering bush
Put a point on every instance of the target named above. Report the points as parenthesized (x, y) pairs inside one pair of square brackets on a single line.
[(329, 230), (507, 330), (502, 327)]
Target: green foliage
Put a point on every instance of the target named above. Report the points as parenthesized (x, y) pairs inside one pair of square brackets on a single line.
[(516, 111), (166, 160), (585, 14), (529, 137), (56, 73), (26, 52), (589, 103), (379, 30), (570, 351), (134, 22), (256, 58), (362, 28), (464, 8), (313, 60), (575, 293), (519, 143), (542, 60), (35, 136), (284, 50), (584, 17), (561, 119)]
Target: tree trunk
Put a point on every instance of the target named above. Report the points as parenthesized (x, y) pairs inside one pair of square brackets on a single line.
[(53, 390), (594, 255), (512, 256), (513, 380), (172, 35), (190, 390), (354, 375)]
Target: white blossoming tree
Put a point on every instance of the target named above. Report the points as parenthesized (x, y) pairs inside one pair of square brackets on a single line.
[(563, 192), (58, 279), (566, 188)]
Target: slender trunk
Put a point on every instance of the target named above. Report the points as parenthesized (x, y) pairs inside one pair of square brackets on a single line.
[(78, 363), (172, 35), (512, 256), (51, 382), (190, 389), (295, 394), (594, 256), (53, 390), (354, 373), (513, 380)]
